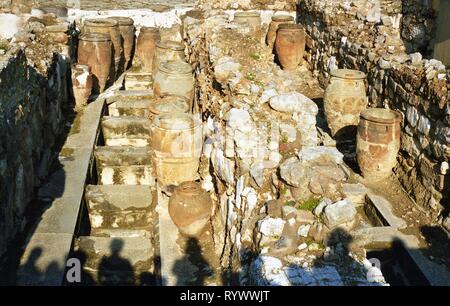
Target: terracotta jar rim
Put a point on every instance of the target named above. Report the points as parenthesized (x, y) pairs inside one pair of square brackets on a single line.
[(290, 27), (176, 67), (101, 22), (163, 121), (170, 44), (179, 102), (350, 74), (189, 188), (95, 37), (381, 115), (282, 18), (121, 20)]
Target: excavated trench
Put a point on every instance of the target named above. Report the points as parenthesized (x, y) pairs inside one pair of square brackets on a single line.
[(124, 235)]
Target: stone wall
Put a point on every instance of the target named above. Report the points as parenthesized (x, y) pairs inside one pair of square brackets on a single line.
[(31, 120), (417, 87)]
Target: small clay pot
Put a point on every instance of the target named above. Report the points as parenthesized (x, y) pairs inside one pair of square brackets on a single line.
[(190, 208), (81, 84), (167, 105), (253, 19), (167, 50), (290, 45)]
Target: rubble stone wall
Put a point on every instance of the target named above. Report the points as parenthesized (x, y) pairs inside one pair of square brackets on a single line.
[(355, 37), (30, 122)]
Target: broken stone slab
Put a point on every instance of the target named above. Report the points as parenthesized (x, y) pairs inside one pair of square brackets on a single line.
[(315, 152), (321, 206), (356, 193), (383, 211), (339, 213), (119, 206), (372, 236), (293, 102), (271, 226), (126, 131), (291, 171), (124, 165)]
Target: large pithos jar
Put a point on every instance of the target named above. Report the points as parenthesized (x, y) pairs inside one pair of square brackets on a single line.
[(94, 50), (146, 48), (345, 98), (126, 27), (273, 27), (253, 19), (168, 104), (290, 45), (174, 78), (167, 50), (81, 84), (111, 27), (378, 142), (177, 141), (190, 208)]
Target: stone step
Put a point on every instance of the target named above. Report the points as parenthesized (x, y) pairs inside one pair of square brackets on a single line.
[(127, 107), (138, 80), (123, 232), (115, 261), (126, 131), (124, 165), (119, 206)]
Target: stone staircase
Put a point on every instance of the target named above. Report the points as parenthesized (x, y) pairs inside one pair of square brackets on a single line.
[(122, 246)]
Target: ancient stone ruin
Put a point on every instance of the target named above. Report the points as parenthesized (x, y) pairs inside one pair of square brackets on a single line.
[(248, 142)]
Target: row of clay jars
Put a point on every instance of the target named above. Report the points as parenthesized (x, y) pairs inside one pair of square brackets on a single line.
[(344, 100), (378, 142), (111, 27), (290, 45)]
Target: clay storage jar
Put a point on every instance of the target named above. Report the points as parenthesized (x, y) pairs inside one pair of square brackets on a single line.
[(95, 50), (344, 100), (177, 141), (167, 50), (273, 27), (81, 84), (146, 47), (290, 45), (378, 142), (190, 208), (253, 19), (111, 27), (167, 105), (126, 27), (174, 78)]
